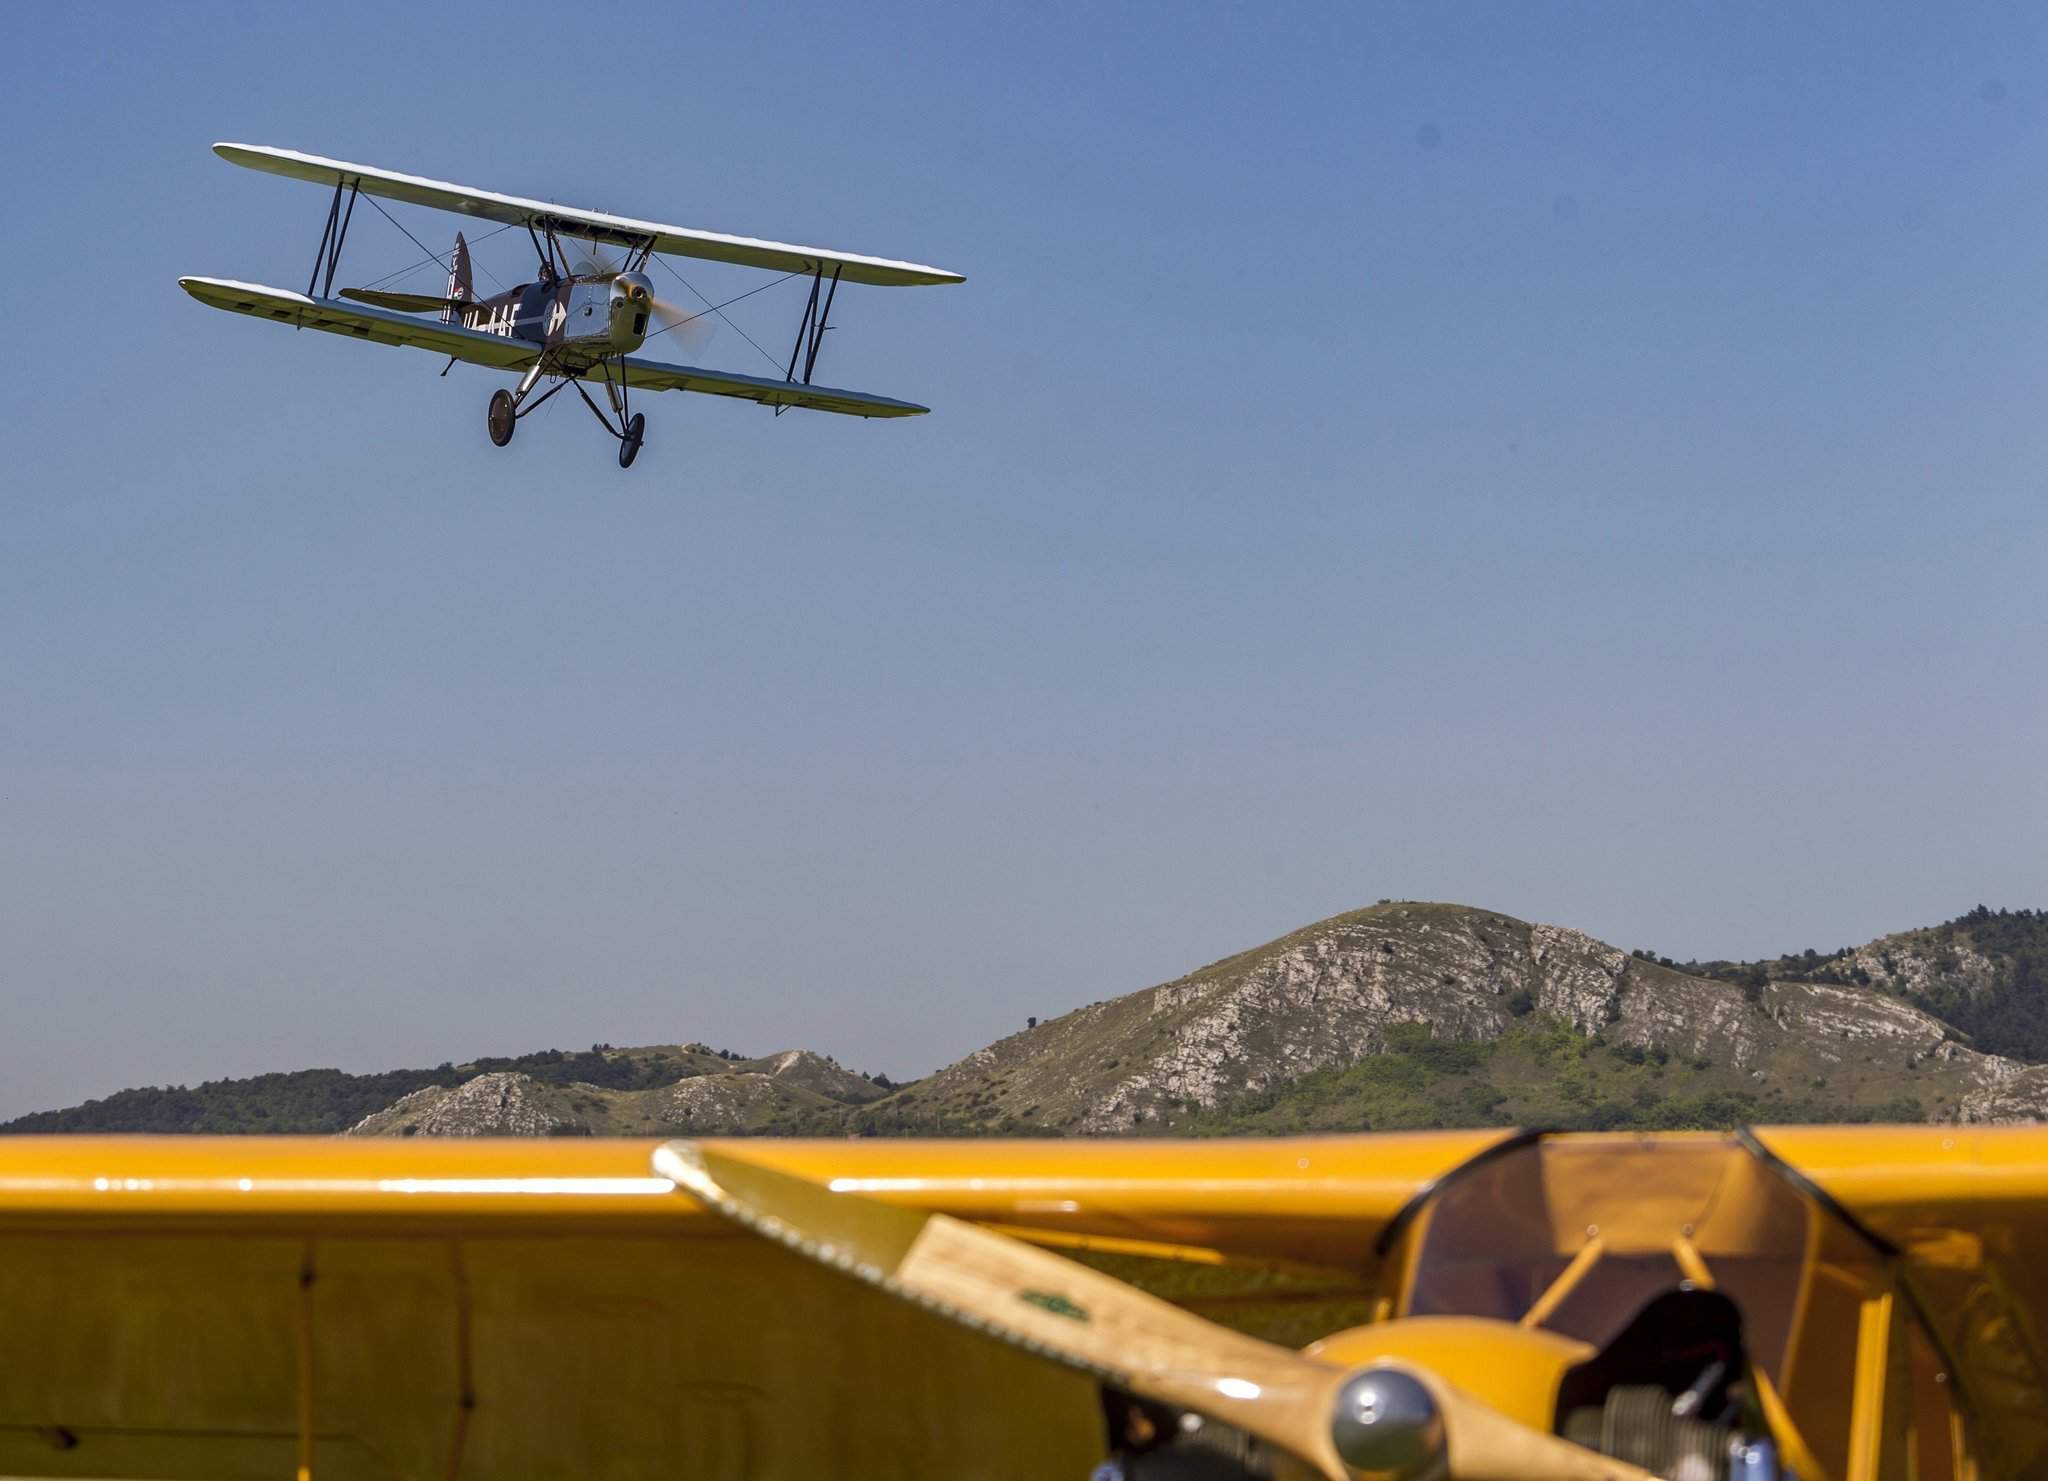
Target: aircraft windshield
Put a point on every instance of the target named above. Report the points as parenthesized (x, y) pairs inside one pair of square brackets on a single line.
[(1577, 1236)]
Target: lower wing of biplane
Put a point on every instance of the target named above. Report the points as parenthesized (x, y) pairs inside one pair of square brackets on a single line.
[(1840, 1305), (619, 375)]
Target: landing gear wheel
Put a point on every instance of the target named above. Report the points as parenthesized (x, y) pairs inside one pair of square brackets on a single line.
[(629, 445), (504, 416)]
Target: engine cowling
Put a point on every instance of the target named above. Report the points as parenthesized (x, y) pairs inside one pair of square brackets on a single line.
[(608, 314)]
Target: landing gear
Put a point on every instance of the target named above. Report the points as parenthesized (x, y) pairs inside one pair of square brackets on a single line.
[(504, 416), (625, 424), (507, 407)]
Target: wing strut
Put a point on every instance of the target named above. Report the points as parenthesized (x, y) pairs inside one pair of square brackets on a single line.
[(329, 253), (810, 334)]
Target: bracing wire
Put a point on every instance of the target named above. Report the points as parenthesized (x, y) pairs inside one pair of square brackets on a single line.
[(716, 307), (415, 267), (719, 309), (436, 257)]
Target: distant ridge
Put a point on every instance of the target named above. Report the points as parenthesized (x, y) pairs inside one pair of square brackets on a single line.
[(1403, 1014), (598, 1091)]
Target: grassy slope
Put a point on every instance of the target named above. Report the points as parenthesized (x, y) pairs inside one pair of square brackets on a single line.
[(1540, 1073)]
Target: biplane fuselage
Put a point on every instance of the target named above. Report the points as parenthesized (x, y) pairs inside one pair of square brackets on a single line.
[(591, 317)]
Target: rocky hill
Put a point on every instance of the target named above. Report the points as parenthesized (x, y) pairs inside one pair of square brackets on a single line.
[(1405, 1014), (1346, 990), (758, 1096)]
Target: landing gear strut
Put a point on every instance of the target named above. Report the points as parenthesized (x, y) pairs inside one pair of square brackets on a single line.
[(630, 426), (627, 425), (507, 407)]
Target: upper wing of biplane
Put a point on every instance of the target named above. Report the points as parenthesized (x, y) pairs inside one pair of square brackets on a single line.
[(384, 326), (680, 241)]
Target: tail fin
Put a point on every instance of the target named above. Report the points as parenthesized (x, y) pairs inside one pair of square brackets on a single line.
[(458, 279)]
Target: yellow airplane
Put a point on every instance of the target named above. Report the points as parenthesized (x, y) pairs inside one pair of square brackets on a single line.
[(1836, 1304)]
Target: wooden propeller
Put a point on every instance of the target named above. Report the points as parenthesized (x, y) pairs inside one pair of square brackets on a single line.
[(1387, 1422)]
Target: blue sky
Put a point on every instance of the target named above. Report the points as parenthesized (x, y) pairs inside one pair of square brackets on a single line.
[(1583, 460)]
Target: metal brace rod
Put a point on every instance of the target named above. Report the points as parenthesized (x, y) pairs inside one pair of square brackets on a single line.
[(334, 257), (329, 255), (524, 409), (810, 334), (824, 323), (804, 327), (326, 236), (547, 248), (602, 420)]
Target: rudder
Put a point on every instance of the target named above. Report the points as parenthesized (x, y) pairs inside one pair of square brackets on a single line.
[(458, 278)]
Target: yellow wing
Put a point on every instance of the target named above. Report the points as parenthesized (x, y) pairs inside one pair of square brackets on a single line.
[(227, 1308), (231, 1308)]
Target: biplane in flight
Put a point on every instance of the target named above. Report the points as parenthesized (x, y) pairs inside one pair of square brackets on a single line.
[(1831, 1304), (583, 317)]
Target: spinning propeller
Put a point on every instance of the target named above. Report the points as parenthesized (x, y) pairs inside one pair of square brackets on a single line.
[(692, 329), (1386, 1421)]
